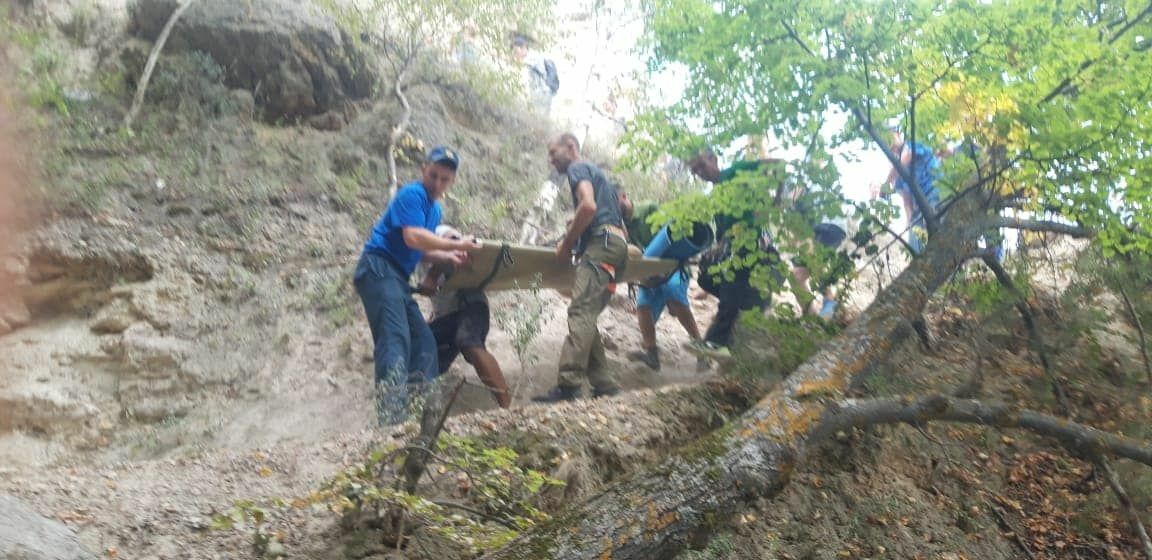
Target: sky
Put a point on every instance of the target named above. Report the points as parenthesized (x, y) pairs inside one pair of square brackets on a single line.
[(595, 54)]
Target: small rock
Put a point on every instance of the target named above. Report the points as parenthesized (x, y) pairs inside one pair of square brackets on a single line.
[(275, 550), (197, 524)]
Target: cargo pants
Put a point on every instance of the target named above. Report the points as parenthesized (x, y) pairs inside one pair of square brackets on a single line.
[(582, 356)]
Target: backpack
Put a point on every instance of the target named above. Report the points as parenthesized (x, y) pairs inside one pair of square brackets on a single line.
[(550, 76)]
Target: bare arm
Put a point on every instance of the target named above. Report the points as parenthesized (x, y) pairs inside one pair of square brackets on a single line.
[(425, 241), (905, 160), (431, 282), (585, 212), (437, 249)]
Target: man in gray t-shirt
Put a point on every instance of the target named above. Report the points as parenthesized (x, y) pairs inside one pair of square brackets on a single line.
[(597, 239)]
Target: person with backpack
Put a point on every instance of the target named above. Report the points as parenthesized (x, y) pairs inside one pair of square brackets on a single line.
[(670, 290), (541, 81)]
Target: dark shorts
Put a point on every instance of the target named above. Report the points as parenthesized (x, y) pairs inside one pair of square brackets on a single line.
[(467, 327), (829, 235)]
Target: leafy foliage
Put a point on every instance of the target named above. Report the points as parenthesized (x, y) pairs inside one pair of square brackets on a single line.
[(1061, 90), (524, 320), (487, 477), (788, 340)]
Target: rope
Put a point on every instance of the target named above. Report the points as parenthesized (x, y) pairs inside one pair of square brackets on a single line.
[(504, 258)]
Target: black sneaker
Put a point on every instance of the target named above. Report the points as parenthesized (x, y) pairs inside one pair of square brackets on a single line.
[(605, 392), (650, 358), (558, 393)]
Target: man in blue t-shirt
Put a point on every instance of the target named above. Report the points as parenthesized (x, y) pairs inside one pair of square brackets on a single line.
[(404, 348), (921, 161)]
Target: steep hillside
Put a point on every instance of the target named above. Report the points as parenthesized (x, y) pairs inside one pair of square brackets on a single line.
[(179, 333)]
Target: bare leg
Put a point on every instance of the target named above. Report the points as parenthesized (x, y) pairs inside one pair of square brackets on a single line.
[(488, 370), (683, 314), (804, 295)]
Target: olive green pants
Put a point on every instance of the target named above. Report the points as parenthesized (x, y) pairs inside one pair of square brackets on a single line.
[(583, 353)]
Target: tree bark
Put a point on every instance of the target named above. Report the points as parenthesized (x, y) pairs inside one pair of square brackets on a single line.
[(398, 131), (432, 419), (658, 512), (150, 65)]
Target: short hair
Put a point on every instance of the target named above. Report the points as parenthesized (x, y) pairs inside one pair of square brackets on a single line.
[(568, 138), (702, 153)]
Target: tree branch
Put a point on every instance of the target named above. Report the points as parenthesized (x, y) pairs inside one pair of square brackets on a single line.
[(476, 512), (904, 172), (1077, 438), (931, 220), (1143, 337), (150, 65), (1026, 314), (796, 39), (1126, 503), (432, 419), (401, 126), (1063, 85), (1041, 225)]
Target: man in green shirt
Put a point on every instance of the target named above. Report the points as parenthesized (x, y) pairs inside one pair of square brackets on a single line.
[(736, 295)]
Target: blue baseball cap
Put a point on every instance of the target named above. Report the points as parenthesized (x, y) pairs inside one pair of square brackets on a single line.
[(445, 156)]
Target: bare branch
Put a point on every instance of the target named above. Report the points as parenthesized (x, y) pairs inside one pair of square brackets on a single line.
[(1063, 85), (1143, 337), (796, 39), (431, 424), (150, 65), (1077, 438), (1026, 314), (1041, 225), (476, 512), (950, 66), (904, 172), (1126, 503), (931, 219)]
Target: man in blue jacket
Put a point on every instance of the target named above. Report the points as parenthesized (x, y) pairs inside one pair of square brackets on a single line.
[(405, 351)]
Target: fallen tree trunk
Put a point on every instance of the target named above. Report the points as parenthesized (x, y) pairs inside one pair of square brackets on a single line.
[(658, 512)]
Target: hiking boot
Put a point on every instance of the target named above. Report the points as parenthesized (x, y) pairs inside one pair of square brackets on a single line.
[(557, 394), (709, 350), (606, 391), (649, 357)]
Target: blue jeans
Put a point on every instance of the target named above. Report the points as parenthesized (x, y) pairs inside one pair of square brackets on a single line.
[(404, 351)]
